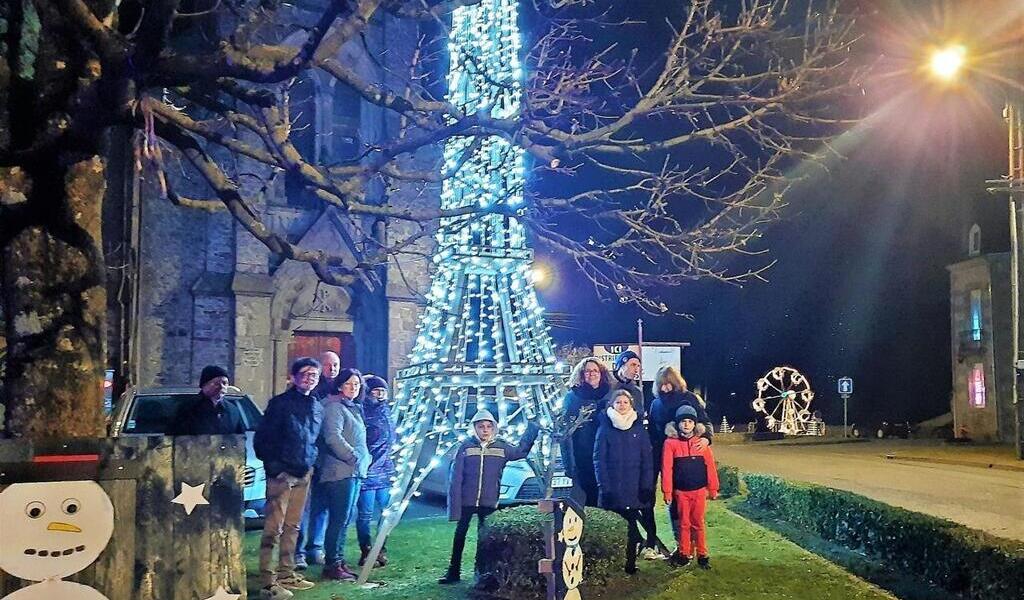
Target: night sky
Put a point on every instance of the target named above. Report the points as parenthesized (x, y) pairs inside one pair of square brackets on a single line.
[(860, 287)]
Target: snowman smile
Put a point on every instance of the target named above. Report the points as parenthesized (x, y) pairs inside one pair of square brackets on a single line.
[(53, 553)]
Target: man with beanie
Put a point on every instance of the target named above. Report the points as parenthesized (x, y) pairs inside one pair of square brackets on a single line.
[(626, 376), (207, 413)]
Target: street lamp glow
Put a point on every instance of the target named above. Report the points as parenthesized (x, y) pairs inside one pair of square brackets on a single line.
[(540, 275), (947, 62)]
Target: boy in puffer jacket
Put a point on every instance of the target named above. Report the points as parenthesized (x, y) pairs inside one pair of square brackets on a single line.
[(475, 480), (688, 477)]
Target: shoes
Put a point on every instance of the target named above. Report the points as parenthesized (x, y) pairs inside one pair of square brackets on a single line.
[(295, 581), (679, 560), (382, 558), (450, 577), (649, 553), (339, 572), (704, 562), (364, 551), (275, 592), (315, 558), (300, 563)]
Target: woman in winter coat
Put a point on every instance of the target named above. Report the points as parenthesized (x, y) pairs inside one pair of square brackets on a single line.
[(376, 489), (342, 466), (671, 393), (623, 467), (589, 383)]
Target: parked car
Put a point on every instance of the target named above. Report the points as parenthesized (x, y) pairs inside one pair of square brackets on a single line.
[(149, 412), (883, 430)]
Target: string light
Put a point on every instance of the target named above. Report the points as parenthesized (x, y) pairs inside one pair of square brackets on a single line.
[(482, 340)]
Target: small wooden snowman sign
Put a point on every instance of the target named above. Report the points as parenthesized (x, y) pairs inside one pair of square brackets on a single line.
[(52, 530)]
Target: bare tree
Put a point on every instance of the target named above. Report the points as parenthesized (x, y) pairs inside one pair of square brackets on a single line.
[(674, 162)]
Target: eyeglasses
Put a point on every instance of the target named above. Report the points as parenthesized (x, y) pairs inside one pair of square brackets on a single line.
[(592, 371), (309, 373)]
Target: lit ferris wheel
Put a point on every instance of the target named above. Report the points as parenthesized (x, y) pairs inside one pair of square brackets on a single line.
[(784, 398)]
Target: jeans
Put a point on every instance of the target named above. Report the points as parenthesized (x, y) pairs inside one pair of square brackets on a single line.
[(339, 499), (371, 505), (286, 498), (461, 529), (313, 529)]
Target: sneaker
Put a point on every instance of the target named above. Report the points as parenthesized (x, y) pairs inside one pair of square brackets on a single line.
[(651, 554), (275, 592), (704, 562), (315, 558), (679, 560), (295, 582), (300, 563), (338, 572)]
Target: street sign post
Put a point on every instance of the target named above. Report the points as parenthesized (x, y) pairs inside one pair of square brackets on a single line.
[(845, 390)]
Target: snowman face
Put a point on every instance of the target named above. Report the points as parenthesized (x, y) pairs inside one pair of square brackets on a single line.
[(53, 529)]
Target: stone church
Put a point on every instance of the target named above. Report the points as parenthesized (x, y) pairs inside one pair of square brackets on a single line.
[(190, 288)]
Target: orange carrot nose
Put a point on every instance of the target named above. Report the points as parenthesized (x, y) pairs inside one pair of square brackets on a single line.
[(58, 526)]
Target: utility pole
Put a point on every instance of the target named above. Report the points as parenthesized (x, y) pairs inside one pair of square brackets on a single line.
[(1013, 184)]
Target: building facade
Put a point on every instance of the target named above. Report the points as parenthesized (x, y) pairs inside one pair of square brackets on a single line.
[(982, 345), (196, 288)]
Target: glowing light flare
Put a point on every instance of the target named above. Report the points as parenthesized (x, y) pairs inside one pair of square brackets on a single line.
[(947, 63)]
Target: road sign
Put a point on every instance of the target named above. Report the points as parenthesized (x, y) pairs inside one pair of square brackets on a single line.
[(846, 385)]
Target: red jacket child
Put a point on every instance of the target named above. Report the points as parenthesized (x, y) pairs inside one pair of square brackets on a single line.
[(688, 477)]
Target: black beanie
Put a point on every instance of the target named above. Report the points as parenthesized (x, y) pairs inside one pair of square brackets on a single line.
[(211, 372), (373, 382)]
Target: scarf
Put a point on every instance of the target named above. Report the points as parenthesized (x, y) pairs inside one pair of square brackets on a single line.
[(586, 392), (622, 422)]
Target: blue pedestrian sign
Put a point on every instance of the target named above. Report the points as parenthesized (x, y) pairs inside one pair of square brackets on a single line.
[(846, 386)]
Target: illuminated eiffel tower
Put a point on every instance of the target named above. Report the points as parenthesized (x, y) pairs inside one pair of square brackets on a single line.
[(482, 341)]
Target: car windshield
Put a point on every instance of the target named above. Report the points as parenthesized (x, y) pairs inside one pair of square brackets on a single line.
[(152, 413)]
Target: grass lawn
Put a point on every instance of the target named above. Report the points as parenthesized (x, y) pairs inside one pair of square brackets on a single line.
[(749, 563)]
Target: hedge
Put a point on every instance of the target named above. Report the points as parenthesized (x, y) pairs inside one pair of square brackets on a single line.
[(728, 481), (512, 543), (963, 561)]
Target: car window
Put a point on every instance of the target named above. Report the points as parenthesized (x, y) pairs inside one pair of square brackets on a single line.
[(250, 413), (152, 413)]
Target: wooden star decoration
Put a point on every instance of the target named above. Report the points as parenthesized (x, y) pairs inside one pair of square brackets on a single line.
[(190, 497)]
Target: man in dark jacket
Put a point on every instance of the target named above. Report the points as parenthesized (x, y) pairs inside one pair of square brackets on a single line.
[(626, 376), (330, 362), (207, 413), (286, 443), (474, 484)]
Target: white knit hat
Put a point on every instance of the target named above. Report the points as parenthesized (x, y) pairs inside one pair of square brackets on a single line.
[(483, 415)]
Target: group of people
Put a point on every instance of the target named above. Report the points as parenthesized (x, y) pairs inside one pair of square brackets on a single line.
[(326, 445), (614, 458)]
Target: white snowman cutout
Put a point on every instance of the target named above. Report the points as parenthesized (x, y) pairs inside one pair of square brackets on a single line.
[(51, 530)]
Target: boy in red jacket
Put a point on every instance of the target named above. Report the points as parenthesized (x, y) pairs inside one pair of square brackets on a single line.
[(688, 477)]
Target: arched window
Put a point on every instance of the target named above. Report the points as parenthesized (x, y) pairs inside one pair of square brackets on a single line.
[(974, 241), (341, 143)]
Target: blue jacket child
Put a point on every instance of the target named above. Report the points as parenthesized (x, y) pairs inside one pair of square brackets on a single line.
[(474, 483)]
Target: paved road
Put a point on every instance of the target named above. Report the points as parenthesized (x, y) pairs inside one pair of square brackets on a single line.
[(988, 499)]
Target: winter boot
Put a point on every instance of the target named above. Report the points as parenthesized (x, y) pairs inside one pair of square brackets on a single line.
[(364, 551), (679, 560), (452, 576), (382, 558), (704, 562)]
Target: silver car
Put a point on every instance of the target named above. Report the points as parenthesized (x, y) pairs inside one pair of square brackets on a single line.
[(150, 411)]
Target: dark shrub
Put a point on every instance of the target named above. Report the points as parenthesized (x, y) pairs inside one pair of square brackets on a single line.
[(512, 544), (728, 481), (963, 561)]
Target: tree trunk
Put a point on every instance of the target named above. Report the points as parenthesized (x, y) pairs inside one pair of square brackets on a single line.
[(54, 296)]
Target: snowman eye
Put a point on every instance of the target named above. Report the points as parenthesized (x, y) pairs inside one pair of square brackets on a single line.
[(34, 510), (70, 506)]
